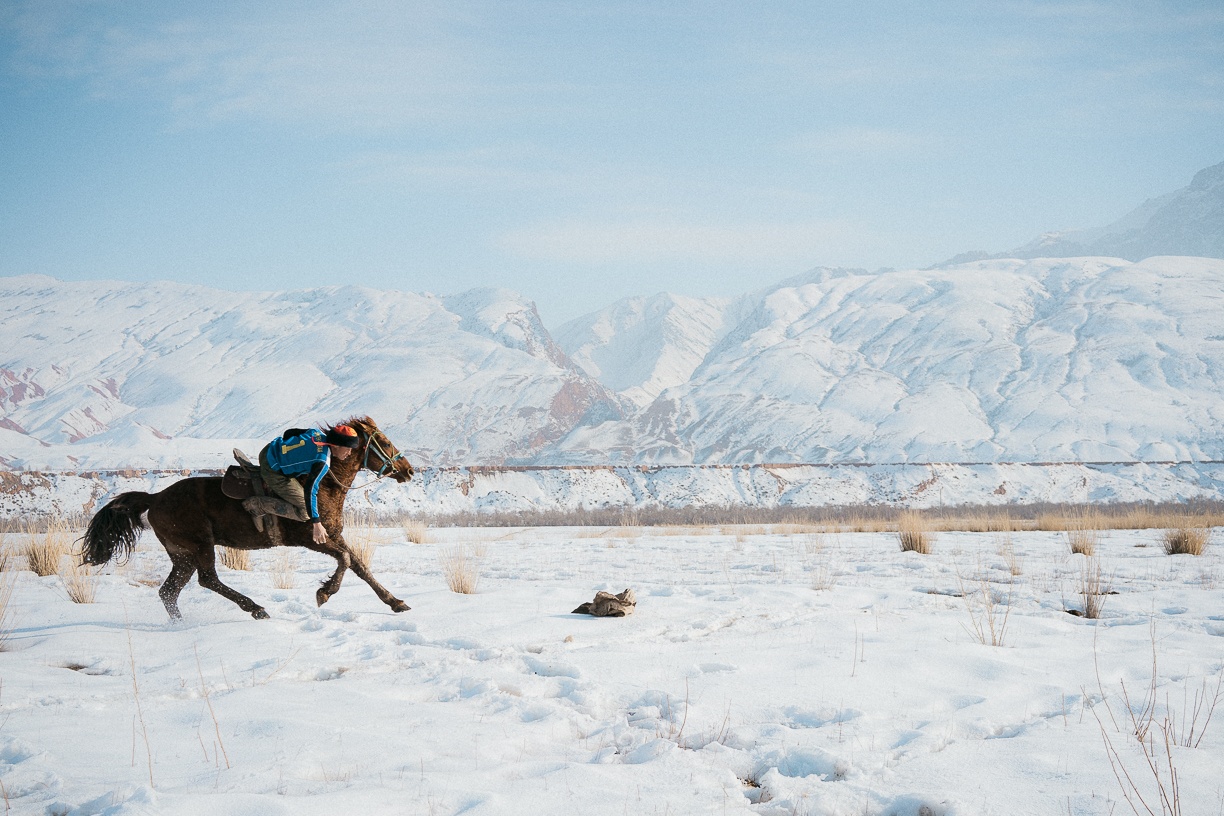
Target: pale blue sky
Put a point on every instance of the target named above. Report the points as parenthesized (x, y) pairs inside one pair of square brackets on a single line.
[(582, 152)]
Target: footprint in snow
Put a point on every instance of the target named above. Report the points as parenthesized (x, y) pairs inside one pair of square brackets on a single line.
[(551, 668)]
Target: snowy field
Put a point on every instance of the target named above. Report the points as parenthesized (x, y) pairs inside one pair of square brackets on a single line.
[(766, 671)]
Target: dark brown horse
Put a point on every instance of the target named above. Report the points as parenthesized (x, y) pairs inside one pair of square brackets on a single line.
[(193, 516)]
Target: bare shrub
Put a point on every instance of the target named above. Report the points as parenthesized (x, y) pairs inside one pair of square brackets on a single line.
[(235, 559), (914, 533), (1185, 540), (1094, 585), (461, 568), (80, 584), (1156, 732), (284, 568), (416, 532), (44, 550), (988, 609)]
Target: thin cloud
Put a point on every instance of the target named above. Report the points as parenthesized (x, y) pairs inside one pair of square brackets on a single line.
[(372, 65)]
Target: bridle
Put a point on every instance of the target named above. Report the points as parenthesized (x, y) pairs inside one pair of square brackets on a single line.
[(387, 468), (388, 462)]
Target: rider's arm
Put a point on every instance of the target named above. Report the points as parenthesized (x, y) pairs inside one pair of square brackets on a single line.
[(317, 472)]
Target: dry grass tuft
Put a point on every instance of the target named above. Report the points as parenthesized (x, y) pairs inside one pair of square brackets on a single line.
[(416, 532), (80, 584), (1185, 539), (461, 568), (284, 568), (1083, 541), (235, 559), (44, 550), (915, 533), (1015, 564), (1093, 587)]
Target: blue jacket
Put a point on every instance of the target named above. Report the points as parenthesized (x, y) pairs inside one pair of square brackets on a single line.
[(298, 455)]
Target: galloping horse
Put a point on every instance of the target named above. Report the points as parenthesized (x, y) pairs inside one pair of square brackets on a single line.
[(192, 516)]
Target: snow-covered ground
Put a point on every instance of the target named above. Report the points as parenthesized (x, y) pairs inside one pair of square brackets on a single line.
[(766, 671)]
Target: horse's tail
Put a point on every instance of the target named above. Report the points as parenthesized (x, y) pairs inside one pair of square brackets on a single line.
[(115, 528)]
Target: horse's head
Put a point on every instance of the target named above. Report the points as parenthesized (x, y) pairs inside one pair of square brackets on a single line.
[(378, 454)]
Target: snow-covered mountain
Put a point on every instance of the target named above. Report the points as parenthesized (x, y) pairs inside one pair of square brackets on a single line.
[(1189, 221), (641, 345), (1090, 359), (1084, 359), (105, 374)]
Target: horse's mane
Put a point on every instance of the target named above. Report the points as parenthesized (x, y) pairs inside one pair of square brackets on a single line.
[(362, 423)]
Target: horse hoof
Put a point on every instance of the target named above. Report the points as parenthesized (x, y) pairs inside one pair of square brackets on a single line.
[(260, 614), (321, 597), (400, 606)]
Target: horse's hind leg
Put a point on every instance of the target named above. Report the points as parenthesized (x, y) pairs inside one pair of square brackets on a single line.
[(206, 563), (180, 574)]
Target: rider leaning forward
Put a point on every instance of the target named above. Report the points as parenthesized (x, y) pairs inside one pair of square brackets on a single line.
[(299, 452)]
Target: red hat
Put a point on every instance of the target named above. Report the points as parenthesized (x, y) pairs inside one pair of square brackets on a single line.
[(341, 436)]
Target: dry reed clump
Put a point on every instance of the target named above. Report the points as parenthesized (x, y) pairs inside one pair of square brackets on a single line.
[(235, 559), (80, 584), (284, 568), (1083, 542), (417, 532), (914, 533), (461, 567), (1093, 587), (1185, 539), (44, 550)]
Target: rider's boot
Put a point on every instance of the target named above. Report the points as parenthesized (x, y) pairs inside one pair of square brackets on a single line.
[(259, 506)]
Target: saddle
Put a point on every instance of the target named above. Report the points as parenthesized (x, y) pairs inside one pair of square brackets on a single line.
[(242, 481)]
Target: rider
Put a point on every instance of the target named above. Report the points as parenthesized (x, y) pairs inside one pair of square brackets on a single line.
[(299, 452)]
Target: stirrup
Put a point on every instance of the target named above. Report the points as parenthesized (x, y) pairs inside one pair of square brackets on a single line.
[(256, 516)]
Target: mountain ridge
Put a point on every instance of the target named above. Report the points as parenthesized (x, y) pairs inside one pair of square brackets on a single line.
[(1188, 222)]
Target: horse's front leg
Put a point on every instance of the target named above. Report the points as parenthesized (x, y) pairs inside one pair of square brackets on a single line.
[(337, 549), (363, 572)]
